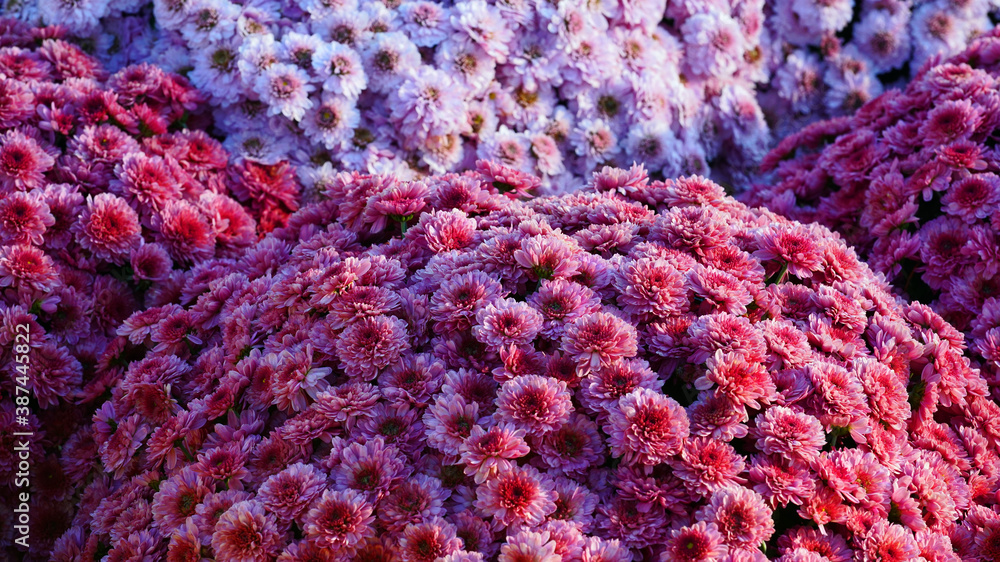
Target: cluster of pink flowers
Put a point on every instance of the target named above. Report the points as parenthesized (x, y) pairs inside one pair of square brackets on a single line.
[(107, 200), (911, 180), (832, 56), (416, 87), (437, 370)]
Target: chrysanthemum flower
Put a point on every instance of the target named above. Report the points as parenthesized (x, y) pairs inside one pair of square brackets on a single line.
[(339, 520), (647, 427), (518, 496), (285, 89), (290, 492), (24, 218), (534, 403), (743, 520), (108, 227), (428, 541), (489, 452), (599, 339), (246, 532), (28, 266), (700, 541), (790, 434), (507, 323), (23, 162)]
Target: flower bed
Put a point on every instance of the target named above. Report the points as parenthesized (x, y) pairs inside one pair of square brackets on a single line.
[(435, 370)]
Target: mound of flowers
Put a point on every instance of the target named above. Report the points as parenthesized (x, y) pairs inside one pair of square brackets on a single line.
[(833, 56), (911, 181), (107, 200), (556, 89), (435, 370)]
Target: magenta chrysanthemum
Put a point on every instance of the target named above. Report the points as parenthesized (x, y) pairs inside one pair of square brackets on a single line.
[(519, 496), (647, 427), (535, 403)]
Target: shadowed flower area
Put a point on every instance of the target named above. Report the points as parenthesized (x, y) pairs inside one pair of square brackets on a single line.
[(362, 385)]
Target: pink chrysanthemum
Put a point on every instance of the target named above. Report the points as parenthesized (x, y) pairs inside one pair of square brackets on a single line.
[(601, 389), (790, 434), (339, 520), (693, 543), (23, 162), (561, 302), (185, 231), (743, 519), (507, 323), (177, 499), (428, 541), (246, 532), (534, 403), (572, 448), (488, 452), (371, 344), (546, 257), (529, 546), (706, 465), (741, 381), (24, 218), (289, 493), (449, 422), (651, 288), (647, 427), (29, 266), (455, 305), (892, 543), (794, 250), (599, 339), (519, 496)]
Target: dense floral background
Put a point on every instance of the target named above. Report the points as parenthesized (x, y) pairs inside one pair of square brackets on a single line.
[(458, 281)]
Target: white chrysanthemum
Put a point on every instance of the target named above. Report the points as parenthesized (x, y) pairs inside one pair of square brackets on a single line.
[(340, 69), (257, 144), (79, 16), (714, 45), (209, 22), (823, 16), (257, 54), (389, 58), (425, 23), (884, 38), (654, 144), (484, 25), (285, 89), (799, 80), (216, 72), (300, 49), (331, 122), (349, 28), (508, 147), (595, 142), (320, 8), (427, 104), (467, 62)]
